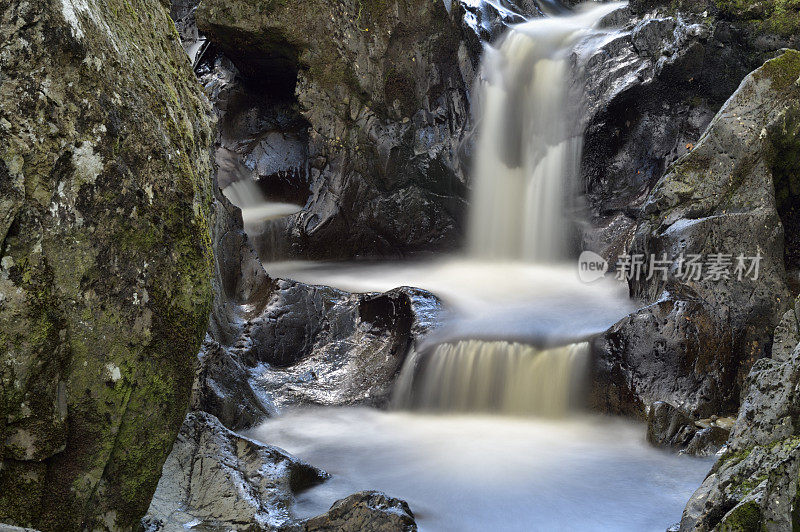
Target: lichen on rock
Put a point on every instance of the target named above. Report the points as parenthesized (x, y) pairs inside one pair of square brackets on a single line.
[(754, 484), (104, 287)]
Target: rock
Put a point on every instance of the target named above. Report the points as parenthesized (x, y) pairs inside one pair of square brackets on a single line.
[(609, 236), (318, 345), (753, 485), (787, 334), (385, 98), (105, 187), (719, 198), (223, 388), (488, 20), (707, 441), (652, 89), (365, 510), (769, 16), (217, 480), (670, 427), (648, 357)]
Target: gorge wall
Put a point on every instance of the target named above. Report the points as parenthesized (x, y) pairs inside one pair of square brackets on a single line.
[(105, 178)]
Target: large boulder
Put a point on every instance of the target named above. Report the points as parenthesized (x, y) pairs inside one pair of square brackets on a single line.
[(318, 345), (104, 278), (312, 345), (218, 480), (697, 340), (651, 91), (754, 484), (384, 96)]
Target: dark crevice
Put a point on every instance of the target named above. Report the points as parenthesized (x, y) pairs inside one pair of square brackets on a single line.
[(784, 159)]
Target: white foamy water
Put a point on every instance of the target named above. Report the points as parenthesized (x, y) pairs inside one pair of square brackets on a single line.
[(491, 473), (536, 303), (255, 207)]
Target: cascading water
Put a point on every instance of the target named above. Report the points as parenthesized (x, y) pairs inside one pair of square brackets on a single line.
[(481, 376), (242, 191), (527, 163), (529, 146), (513, 341), (255, 208)]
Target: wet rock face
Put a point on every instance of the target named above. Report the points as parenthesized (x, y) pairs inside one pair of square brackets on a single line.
[(105, 257), (754, 484), (651, 92), (260, 132), (672, 428), (720, 198), (317, 345), (313, 345), (215, 479), (385, 96), (365, 510)]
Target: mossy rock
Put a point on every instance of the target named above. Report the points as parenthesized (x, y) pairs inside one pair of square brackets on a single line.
[(781, 17), (105, 260)]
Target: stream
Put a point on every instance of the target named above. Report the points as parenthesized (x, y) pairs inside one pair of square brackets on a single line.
[(487, 429)]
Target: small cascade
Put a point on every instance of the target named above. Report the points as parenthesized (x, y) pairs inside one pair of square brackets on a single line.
[(255, 207), (238, 186), (497, 377)]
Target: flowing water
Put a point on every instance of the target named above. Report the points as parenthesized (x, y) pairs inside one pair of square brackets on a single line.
[(464, 473), (499, 377), (484, 432), (246, 195)]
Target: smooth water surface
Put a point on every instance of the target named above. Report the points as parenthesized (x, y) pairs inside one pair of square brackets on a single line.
[(492, 473)]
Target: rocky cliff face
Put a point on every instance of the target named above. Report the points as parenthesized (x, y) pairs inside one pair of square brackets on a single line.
[(696, 341), (754, 484), (652, 90), (383, 88), (106, 258)]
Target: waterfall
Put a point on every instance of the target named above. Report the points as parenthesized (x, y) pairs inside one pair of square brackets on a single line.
[(526, 168), (246, 195), (528, 154), (509, 378), (240, 189)]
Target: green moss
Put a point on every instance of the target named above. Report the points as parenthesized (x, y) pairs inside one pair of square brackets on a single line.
[(732, 458), (783, 71), (772, 16), (746, 517), (127, 287)]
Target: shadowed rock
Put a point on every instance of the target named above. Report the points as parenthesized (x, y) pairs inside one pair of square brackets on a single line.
[(652, 90), (385, 96), (697, 340), (365, 510), (754, 485)]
